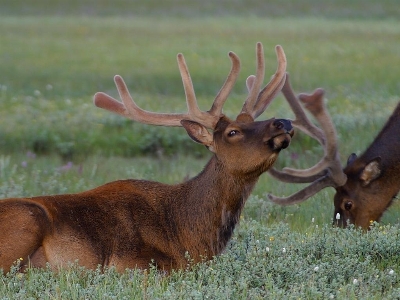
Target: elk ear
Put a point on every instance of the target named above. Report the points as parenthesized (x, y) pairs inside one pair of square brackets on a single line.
[(199, 133), (244, 118), (371, 171), (351, 159)]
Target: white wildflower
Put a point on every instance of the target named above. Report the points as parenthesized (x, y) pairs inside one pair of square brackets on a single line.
[(391, 272), (312, 220), (355, 281), (316, 269), (267, 249), (337, 216), (283, 250)]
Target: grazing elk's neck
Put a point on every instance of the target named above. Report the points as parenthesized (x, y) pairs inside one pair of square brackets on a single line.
[(387, 144)]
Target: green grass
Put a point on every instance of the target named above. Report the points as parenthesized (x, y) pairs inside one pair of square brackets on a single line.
[(54, 57), (272, 262)]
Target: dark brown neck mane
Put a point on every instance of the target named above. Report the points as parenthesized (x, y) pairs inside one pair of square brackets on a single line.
[(218, 208)]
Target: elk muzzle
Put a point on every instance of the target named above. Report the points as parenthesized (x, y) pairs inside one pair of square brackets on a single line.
[(284, 134)]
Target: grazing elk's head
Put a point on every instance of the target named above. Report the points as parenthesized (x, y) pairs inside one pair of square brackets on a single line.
[(356, 201), (242, 145)]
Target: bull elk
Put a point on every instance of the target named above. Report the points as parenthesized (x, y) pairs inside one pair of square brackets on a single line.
[(366, 186), (133, 223)]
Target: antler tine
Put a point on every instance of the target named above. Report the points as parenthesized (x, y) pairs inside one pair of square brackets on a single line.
[(301, 120), (256, 83), (210, 118), (107, 102), (224, 92), (289, 178), (128, 108), (275, 85), (191, 101), (304, 194), (257, 102)]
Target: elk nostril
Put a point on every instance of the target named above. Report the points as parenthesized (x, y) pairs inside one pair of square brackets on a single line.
[(283, 124), (278, 124), (285, 144)]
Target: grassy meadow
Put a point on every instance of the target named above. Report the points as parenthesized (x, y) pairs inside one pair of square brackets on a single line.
[(53, 58)]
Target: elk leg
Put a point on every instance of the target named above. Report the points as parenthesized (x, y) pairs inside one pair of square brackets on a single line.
[(23, 226)]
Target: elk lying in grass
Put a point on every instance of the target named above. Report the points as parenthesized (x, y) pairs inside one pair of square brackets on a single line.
[(132, 223), (366, 186)]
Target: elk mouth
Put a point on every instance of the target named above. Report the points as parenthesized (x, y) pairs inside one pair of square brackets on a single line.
[(280, 141)]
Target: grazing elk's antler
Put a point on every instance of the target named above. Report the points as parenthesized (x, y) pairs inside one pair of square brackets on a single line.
[(328, 171), (133, 223)]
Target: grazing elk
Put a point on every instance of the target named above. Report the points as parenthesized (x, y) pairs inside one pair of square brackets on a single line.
[(373, 179), (132, 223), (366, 186)]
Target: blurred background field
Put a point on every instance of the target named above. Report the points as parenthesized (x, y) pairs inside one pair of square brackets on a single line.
[(54, 55), (337, 9)]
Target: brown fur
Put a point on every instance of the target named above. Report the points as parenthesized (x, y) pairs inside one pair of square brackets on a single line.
[(132, 223), (373, 179)]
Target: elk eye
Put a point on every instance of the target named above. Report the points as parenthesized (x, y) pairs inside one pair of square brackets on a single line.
[(233, 132), (348, 205)]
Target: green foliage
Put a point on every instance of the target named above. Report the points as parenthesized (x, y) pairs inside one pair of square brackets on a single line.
[(272, 262)]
